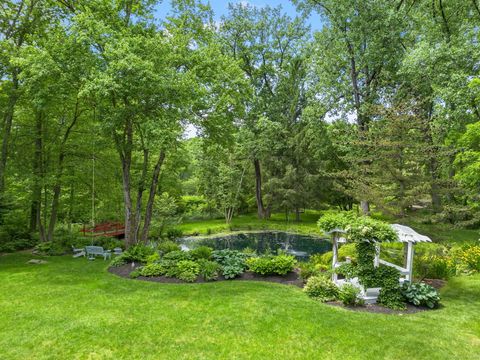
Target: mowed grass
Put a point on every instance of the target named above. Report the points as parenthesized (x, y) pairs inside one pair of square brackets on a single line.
[(307, 225), (74, 309)]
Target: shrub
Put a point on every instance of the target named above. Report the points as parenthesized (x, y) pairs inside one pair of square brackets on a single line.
[(119, 260), (202, 252), (153, 269), (344, 251), (209, 269), (168, 246), (187, 270), (170, 267), (469, 259), (323, 259), (232, 262), (348, 270), (108, 243), (174, 233), (269, 265), (433, 261), (348, 294), (321, 288), (50, 248), (177, 256), (138, 253), (155, 257), (17, 244), (9, 246), (249, 251), (307, 270), (421, 294), (135, 274), (433, 266)]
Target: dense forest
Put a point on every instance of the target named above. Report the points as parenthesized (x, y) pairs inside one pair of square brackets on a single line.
[(110, 114)]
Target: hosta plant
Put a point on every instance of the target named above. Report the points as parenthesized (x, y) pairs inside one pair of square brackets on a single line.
[(421, 294)]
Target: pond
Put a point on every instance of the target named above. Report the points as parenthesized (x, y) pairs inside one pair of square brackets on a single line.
[(301, 246)]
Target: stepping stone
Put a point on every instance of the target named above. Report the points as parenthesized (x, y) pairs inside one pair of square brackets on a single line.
[(36, 261)]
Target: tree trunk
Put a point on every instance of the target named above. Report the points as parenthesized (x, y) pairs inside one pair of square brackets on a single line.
[(37, 175), (432, 163), (71, 203), (365, 207), (141, 189), (434, 188), (127, 199), (361, 119), (258, 189), (57, 187), (297, 215), (228, 214), (151, 195)]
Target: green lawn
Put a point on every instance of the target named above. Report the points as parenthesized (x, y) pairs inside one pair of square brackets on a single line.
[(308, 225), (74, 309)]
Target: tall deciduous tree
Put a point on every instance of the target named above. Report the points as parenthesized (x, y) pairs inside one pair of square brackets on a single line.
[(358, 52), (268, 45)]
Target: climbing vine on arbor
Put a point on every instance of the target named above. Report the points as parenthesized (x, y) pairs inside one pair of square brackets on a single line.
[(365, 232)]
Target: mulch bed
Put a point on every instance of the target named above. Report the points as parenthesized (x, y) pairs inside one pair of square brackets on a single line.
[(289, 279)]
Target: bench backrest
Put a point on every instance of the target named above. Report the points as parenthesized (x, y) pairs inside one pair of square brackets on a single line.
[(94, 249)]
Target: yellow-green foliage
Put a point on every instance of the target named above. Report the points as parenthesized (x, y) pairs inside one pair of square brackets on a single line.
[(343, 251), (468, 259)]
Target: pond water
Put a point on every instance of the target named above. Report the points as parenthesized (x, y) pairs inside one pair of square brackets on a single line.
[(301, 246)]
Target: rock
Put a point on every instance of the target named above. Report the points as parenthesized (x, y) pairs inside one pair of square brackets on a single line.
[(36, 261)]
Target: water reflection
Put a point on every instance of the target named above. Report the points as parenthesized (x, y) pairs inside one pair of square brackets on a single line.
[(301, 246)]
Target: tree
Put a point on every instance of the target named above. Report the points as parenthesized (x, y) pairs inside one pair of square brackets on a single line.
[(149, 85), (357, 54), (20, 24), (268, 45)]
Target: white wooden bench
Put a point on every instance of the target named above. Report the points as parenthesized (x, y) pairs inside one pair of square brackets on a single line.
[(93, 251)]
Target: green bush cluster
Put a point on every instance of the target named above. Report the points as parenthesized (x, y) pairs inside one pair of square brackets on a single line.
[(467, 259), (51, 248), (349, 295), (187, 270), (271, 265), (153, 269), (309, 269), (202, 252), (321, 288), (138, 253), (344, 251), (421, 294), (118, 261), (186, 265), (232, 262), (14, 237), (209, 270), (174, 233), (167, 246)]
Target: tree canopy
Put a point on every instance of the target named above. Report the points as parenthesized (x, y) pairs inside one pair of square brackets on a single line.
[(110, 114)]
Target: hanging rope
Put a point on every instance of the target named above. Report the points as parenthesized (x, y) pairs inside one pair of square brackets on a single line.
[(93, 171)]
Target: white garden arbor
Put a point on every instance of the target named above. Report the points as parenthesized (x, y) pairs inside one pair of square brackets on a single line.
[(406, 235)]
